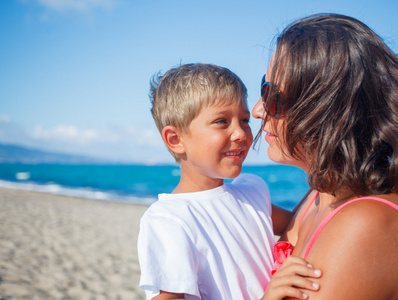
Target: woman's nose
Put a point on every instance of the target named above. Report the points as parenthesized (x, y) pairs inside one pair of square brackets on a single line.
[(258, 111)]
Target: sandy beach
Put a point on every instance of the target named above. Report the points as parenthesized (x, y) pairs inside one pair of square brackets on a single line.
[(57, 247)]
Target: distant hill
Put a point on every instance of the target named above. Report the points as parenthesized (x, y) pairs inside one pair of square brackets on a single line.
[(19, 154)]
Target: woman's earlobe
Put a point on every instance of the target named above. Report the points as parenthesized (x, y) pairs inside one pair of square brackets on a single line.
[(172, 138)]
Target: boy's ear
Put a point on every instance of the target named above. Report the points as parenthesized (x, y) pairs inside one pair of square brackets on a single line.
[(172, 138)]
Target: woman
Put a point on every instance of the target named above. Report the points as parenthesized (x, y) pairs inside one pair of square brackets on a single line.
[(330, 106)]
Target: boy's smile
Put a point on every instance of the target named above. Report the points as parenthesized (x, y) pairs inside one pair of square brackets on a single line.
[(216, 145)]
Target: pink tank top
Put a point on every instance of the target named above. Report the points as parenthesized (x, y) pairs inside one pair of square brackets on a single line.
[(283, 249)]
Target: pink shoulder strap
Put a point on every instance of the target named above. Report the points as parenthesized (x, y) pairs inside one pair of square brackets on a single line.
[(307, 208), (333, 213)]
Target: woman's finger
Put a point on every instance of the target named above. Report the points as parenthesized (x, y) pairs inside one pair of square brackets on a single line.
[(295, 281), (297, 265), (284, 292)]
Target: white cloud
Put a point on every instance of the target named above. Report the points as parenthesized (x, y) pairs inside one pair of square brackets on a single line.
[(128, 144), (93, 137), (76, 5), (145, 136), (4, 119), (71, 133)]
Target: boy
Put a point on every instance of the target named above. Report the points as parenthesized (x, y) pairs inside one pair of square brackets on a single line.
[(206, 240)]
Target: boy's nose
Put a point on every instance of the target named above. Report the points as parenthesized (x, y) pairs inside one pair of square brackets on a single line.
[(238, 134)]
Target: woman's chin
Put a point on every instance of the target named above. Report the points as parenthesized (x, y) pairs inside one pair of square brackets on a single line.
[(281, 158)]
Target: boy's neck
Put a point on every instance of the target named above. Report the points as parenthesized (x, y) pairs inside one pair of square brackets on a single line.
[(189, 184)]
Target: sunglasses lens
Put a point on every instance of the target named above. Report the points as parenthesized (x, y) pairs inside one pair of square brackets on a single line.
[(273, 109), (271, 104), (264, 90)]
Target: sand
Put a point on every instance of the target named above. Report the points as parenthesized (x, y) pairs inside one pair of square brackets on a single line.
[(57, 247)]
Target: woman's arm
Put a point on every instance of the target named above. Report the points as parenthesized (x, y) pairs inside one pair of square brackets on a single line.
[(357, 253), (280, 219)]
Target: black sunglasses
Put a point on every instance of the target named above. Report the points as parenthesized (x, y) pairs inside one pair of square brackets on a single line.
[(272, 105)]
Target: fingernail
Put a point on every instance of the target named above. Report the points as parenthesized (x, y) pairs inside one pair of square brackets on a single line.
[(317, 272), (309, 266), (315, 285), (305, 296)]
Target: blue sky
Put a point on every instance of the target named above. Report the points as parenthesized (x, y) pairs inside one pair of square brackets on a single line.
[(74, 74)]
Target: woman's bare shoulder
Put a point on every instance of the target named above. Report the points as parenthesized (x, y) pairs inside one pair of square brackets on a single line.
[(357, 253), (370, 209), (368, 216)]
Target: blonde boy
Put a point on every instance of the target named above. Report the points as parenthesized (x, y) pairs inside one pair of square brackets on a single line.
[(207, 239)]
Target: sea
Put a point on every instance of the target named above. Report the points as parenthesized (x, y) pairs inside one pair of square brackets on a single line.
[(138, 184)]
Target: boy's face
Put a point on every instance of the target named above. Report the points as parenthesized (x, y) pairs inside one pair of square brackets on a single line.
[(218, 142)]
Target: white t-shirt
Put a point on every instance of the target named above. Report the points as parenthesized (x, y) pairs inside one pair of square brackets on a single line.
[(214, 244)]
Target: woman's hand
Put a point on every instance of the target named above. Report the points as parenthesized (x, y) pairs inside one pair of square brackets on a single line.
[(292, 279)]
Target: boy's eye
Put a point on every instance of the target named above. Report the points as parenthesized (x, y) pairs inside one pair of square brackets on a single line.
[(221, 121), (246, 121)]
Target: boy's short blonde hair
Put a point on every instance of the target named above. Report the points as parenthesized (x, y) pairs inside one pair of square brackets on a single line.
[(180, 94)]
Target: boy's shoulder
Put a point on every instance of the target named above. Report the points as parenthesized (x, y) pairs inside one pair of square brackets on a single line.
[(166, 216), (166, 205)]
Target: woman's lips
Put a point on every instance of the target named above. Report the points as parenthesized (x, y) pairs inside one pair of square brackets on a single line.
[(269, 138)]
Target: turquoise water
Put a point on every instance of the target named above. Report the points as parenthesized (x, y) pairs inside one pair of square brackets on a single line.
[(136, 183)]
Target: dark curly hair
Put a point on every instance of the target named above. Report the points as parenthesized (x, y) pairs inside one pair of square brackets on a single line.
[(339, 94)]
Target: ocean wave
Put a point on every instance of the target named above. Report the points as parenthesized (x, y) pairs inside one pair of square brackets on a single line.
[(88, 193)]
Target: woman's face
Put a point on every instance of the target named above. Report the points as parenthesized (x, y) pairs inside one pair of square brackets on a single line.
[(274, 136)]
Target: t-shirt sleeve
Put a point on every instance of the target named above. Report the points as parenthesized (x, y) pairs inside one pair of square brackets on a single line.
[(167, 257)]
